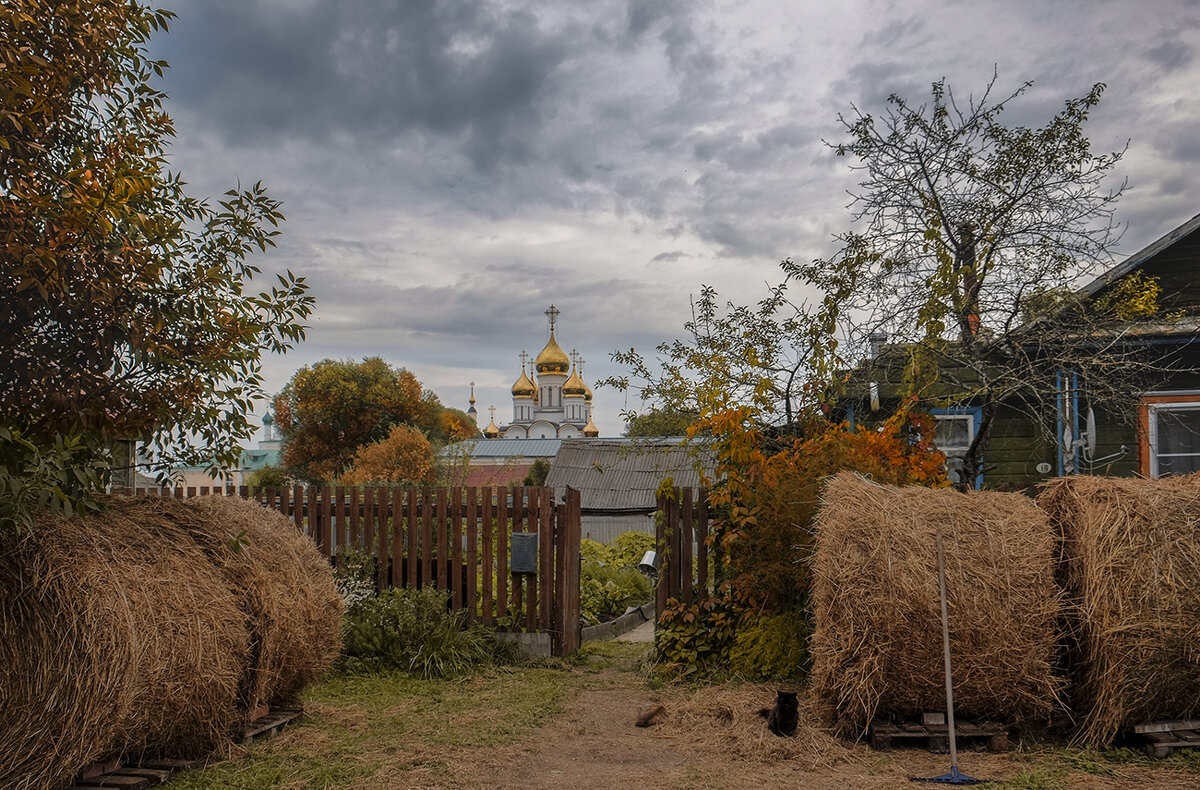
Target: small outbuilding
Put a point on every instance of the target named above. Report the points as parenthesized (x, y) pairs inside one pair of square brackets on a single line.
[(618, 479)]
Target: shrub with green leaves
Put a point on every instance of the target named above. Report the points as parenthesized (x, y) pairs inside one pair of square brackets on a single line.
[(770, 646), (610, 581), (606, 591), (628, 548), (414, 631)]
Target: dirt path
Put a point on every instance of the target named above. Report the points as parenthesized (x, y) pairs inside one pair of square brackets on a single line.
[(712, 739)]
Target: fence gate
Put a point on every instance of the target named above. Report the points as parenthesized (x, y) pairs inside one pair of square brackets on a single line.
[(453, 539)]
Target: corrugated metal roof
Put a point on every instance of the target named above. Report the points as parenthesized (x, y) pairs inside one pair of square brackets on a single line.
[(504, 448), (615, 474)]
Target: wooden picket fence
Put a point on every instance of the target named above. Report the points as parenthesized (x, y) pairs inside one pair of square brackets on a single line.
[(453, 539), (681, 544)]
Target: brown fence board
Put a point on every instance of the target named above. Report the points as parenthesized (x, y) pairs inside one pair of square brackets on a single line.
[(411, 540), (442, 563), (325, 526), (471, 600), (355, 520), (397, 533), (545, 554), (426, 536), (489, 563), (501, 552), (456, 549)]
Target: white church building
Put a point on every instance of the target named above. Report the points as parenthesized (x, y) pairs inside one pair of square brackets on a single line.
[(558, 405)]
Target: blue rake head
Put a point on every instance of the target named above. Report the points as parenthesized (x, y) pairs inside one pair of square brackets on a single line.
[(952, 778)]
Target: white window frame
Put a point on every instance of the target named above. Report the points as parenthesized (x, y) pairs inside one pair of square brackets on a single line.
[(961, 448), (1152, 410), (969, 413)]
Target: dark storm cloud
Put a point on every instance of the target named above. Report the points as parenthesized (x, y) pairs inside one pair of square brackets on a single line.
[(368, 68), (1172, 54)]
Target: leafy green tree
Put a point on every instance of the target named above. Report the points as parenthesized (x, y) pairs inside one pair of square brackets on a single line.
[(404, 455), (268, 476), (660, 422), (327, 411), (536, 476), (131, 310)]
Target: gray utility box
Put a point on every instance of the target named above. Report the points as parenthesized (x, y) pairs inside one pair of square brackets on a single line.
[(523, 552)]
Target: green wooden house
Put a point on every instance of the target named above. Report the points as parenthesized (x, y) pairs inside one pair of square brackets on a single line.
[(1155, 432)]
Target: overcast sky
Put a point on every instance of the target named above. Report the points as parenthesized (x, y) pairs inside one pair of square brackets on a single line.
[(449, 169)]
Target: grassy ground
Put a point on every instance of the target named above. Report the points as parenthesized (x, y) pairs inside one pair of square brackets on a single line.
[(569, 724)]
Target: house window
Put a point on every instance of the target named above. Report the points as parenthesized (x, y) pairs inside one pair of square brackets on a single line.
[(1173, 437), (954, 432)]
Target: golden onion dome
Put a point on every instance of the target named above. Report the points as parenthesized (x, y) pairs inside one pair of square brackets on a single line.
[(492, 431), (587, 392), (574, 387), (590, 430), (552, 359), (524, 386)]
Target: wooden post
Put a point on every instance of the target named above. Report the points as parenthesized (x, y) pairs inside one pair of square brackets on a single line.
[(685, 546), (532, 599), (661, 547), (570, 609), (702, 541), (379, 524)]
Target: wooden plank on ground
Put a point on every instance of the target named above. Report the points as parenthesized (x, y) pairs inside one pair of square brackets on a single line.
[(1167, 726)]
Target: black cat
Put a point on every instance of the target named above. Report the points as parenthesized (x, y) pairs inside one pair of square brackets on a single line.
[(784, 716)]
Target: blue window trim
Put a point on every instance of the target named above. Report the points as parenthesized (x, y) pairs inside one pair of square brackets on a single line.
[(973, 411), (1061, 385)]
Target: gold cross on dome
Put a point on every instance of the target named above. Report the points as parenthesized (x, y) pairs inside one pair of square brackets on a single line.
[(552, 313), (524, 357), (492, 411)]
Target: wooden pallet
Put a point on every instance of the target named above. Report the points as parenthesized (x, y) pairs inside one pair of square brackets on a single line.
[(1164, 737), (271, 723), (154, 772), (128, 778), (937, 736)]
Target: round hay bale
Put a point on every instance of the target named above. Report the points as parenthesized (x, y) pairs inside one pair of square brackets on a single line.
[(1131, 569), (117, 637), (877, 634), (285, 588)]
